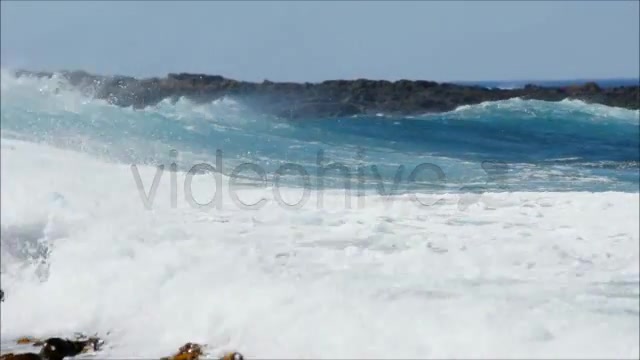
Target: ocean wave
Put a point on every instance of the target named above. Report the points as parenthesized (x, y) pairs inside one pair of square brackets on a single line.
[(273, 282), (540, 108), (523, 206), (513, 131)]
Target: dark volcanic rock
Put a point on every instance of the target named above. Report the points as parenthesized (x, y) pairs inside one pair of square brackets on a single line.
[(329, 98)]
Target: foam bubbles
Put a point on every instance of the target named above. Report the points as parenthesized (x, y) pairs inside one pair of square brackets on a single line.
[(521, 274)]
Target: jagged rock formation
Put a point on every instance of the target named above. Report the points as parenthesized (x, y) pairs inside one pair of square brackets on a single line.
[(329, 98)]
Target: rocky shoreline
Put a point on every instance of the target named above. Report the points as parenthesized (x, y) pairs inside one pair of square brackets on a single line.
[(58, 348), (330, 98)]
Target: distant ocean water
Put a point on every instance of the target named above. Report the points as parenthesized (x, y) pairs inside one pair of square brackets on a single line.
[(605, 83), (524, 241)]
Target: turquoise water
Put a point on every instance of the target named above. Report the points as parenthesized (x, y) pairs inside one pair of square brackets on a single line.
[(512, 145), (503, 275)]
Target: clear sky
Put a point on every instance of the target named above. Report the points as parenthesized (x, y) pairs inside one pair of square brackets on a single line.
[(314, 41)]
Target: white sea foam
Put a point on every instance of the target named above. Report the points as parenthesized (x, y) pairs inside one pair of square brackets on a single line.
[(597, 112), (498, 275), (491, 275)]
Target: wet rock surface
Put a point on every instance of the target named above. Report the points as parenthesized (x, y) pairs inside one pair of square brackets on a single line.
[(60, 348)]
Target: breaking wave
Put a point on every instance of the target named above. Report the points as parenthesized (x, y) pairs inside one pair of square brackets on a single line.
[(527, 246)]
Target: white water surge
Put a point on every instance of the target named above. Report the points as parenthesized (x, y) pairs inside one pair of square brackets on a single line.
[(511, 275)]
